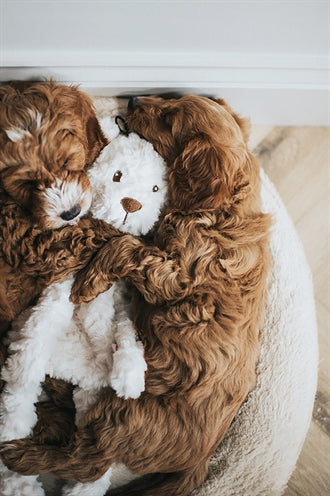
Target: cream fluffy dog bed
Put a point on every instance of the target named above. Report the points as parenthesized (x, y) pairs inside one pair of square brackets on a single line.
[(261, 448)]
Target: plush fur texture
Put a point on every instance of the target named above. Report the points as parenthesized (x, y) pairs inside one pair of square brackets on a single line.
[(94, 345), (199, 307), (49, 134)]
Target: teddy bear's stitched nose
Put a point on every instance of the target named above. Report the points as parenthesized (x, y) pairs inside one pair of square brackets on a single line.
[(130, 205)]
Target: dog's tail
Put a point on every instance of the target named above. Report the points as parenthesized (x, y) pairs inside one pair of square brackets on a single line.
[(169, 484)]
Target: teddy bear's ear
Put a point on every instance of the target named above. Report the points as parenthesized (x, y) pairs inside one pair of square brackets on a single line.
[(122, 125)]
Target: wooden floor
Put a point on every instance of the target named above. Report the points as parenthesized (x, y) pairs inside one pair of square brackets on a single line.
[(297, 160)]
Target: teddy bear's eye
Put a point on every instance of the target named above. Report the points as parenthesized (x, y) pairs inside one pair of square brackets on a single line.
[(155, 188), (117, 176)]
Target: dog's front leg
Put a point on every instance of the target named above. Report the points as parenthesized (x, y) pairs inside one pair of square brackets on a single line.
[(157, 276), (52, 256)]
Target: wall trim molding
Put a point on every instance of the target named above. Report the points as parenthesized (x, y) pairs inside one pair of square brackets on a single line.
[(237, 70), (161, 58), (299, 84)]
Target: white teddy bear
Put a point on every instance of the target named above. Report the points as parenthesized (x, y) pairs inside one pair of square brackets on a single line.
[(94, 345)]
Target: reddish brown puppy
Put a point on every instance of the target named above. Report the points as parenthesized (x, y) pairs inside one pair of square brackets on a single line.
[(199, 307), (49, 134)]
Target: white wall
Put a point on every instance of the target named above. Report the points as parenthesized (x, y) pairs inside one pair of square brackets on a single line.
[(268, 58)]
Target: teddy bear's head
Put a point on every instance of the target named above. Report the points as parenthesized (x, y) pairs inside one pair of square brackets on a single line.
[(129, 182)]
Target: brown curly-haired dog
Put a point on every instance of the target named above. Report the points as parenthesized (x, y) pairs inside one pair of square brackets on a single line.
[(49, 134), (198, 309)]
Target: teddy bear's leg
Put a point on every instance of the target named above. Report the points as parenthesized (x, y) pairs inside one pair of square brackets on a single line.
[(95, 321), (84, 354), (129, 366)]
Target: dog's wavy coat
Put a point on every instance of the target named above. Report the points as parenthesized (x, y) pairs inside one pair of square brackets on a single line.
[(49, 134), (199, 307)]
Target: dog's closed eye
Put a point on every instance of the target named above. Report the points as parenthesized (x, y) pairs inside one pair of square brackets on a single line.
[(31, 184)]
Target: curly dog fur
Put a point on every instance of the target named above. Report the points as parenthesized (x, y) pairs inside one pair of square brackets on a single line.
[(49, 134), (199, 307)]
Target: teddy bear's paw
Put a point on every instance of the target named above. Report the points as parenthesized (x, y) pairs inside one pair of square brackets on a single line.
[(127, 376)]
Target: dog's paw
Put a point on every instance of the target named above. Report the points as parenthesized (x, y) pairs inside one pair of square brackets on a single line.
[(6, 447), (9, 453), (82, 290), (88, 285), (18, 455), (79, 299), (127, 376)]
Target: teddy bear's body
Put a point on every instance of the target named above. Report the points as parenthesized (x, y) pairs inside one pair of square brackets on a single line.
[(94, 345)]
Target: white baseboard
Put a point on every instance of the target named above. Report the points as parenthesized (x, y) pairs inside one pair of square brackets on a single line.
[(271, 89)]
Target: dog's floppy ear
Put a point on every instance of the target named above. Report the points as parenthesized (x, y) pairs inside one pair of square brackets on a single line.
[(243, 122), (95, 139), (198, 179)]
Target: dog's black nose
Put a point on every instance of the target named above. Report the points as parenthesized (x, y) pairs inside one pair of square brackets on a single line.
[(71, 214), (132, 102)]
